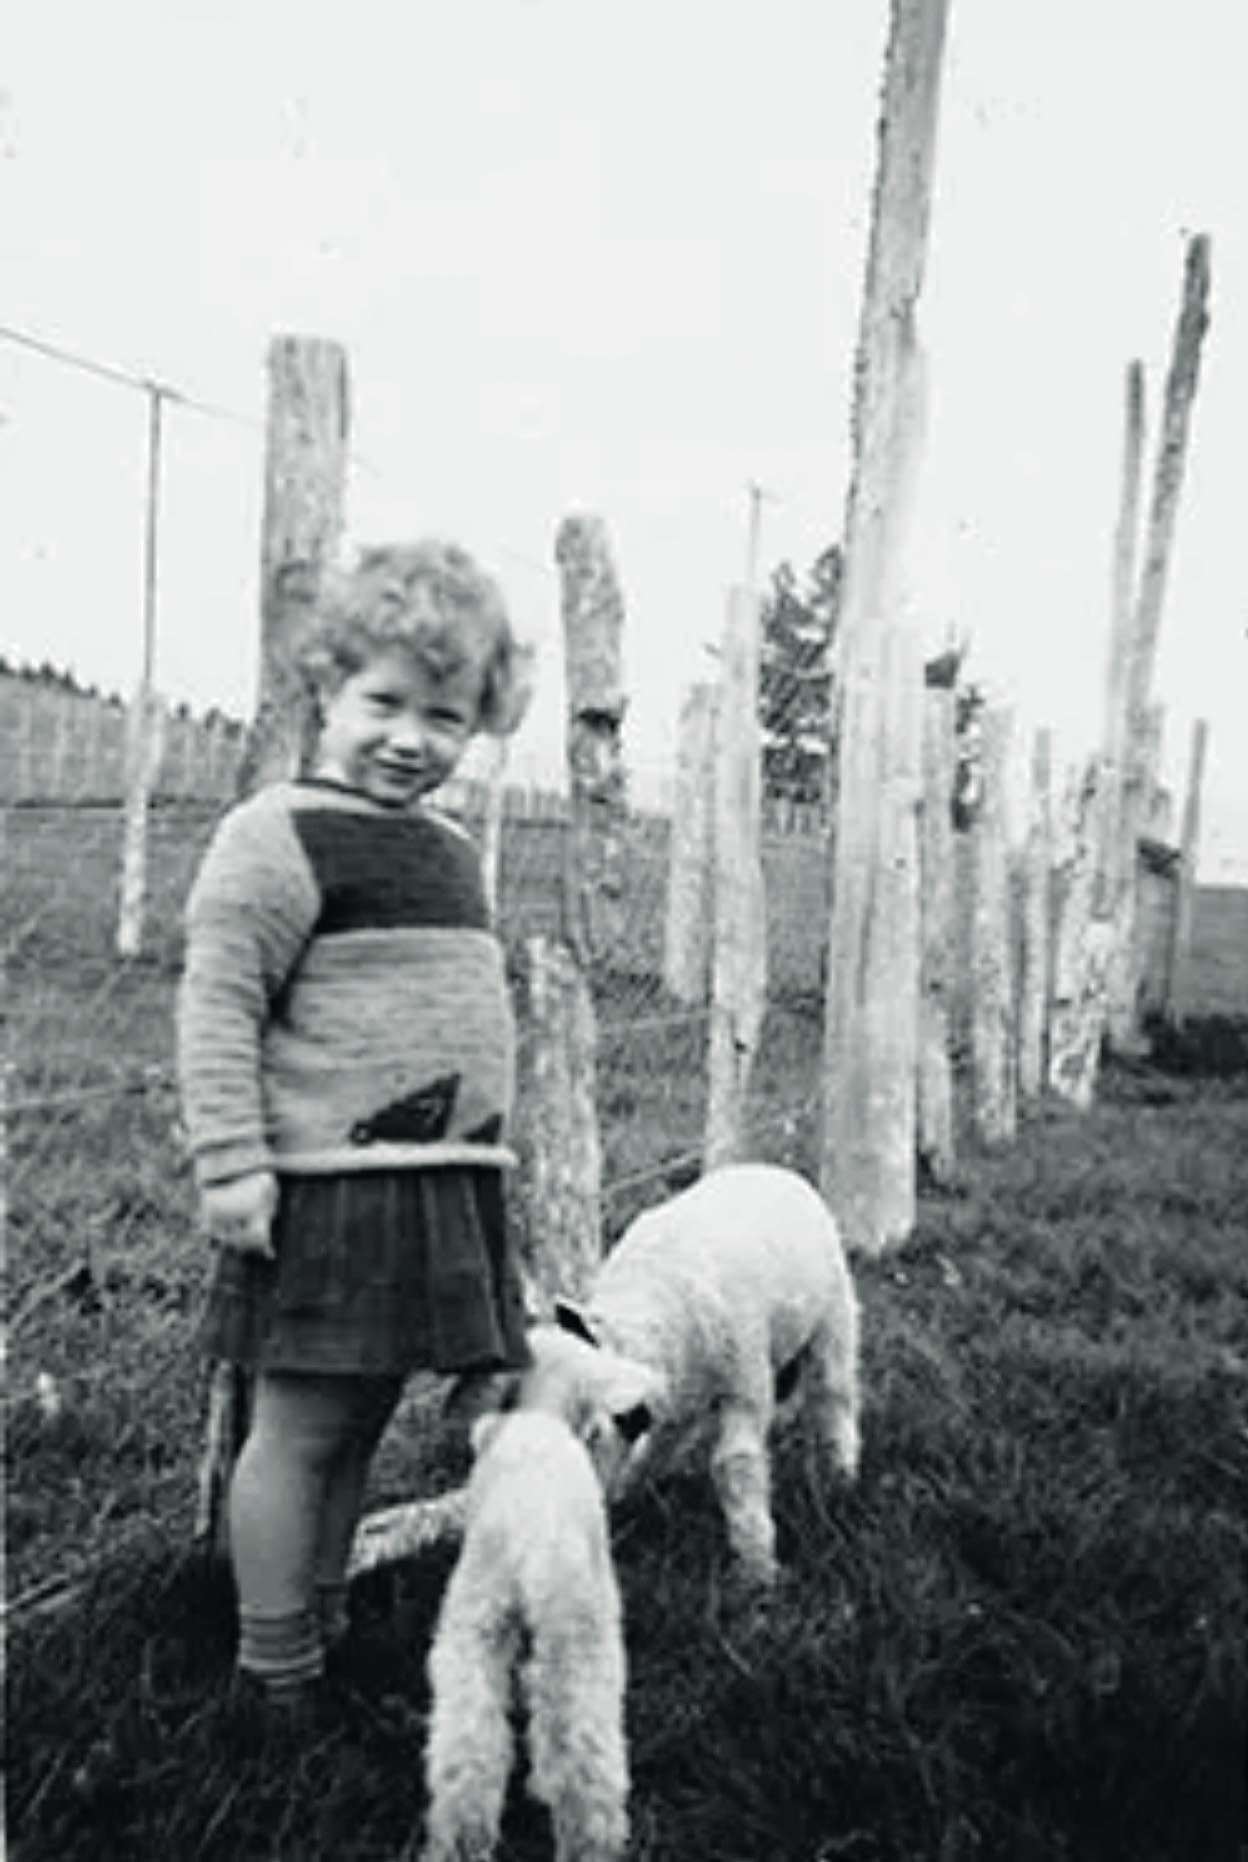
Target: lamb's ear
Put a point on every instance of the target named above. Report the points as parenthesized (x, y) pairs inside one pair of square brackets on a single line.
[(633, 1423), (570, 1318)]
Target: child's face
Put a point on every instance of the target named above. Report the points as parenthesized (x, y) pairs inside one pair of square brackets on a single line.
[(395, 731)]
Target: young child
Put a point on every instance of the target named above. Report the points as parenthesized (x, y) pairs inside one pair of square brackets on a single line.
[(345, 1053)]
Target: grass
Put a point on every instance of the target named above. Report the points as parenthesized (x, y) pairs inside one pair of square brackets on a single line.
[(1020, 1636)]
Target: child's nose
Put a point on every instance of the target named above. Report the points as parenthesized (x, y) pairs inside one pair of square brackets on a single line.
[(407, 732)]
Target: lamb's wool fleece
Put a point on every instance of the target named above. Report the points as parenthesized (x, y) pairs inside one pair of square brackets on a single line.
[(534, 1596), (729, 1292)]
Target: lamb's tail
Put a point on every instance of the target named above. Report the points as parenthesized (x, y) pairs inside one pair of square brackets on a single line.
[(574, 1682), (469, 1754)]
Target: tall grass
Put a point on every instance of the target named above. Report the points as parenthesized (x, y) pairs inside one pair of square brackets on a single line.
[(1020, 1635)]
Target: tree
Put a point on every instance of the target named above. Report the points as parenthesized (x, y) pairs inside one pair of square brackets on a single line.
[(798, 625)]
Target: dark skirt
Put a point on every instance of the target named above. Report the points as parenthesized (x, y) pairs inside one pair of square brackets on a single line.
[(377, 1272)]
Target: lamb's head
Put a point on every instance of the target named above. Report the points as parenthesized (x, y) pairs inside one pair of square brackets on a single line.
[(609, 1401)]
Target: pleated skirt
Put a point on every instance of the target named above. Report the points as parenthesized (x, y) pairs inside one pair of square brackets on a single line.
[(377, 1272)]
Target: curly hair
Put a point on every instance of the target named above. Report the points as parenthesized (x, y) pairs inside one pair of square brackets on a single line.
[(433, 599)]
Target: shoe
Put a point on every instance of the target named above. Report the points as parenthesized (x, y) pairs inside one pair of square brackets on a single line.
[(276, 1719)]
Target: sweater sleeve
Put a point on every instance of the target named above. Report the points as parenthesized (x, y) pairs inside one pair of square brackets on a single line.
[(249, 916)]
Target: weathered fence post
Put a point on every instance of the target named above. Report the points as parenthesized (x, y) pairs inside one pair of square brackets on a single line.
[(146, 722), (492, 823), (145, 745), (305, 482), (557, 1120), (687, 932), (1085, 945), (994, 1092), (304, 492), (1140, 646), (1035, 978), (867, 1166), (1177, 1005), (936, 1140), (593, 620), (561, 1162), (1111, 848), (739, 962)]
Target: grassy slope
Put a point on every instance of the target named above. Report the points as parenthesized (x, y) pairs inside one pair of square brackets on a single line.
[(1020, 1637)]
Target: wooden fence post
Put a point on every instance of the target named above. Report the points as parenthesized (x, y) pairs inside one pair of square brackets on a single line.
[(145, 746), (739, 963), (1111, 848), (1177, 1004), (557, 1121), (993, 1029), (871, 1036), (1035, 979), (492, 824), (687, 930), (305, 479), (1085, 947), (1140, 648), (557, 1134), (305, 485), (593, 619), (936, 1139)]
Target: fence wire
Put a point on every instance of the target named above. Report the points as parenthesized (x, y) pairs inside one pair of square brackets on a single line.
[(89, 1037)]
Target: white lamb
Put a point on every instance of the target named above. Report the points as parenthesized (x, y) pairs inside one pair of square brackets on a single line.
[(533, 1596), (736, 1293)]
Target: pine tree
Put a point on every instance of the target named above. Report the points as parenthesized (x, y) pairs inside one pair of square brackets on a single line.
[(795, 679)]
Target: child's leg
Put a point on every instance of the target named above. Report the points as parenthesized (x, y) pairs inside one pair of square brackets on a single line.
[(374, 1403), (300, 1426)]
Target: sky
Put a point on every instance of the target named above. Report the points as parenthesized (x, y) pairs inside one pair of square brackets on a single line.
[(593, 257)]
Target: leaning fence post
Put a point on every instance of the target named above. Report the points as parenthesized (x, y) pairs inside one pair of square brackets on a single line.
[(1140, 644), (739, 963), (305, 478)]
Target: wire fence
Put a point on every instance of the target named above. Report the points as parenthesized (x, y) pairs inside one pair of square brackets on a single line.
[(89, 1037), (103, 1266)]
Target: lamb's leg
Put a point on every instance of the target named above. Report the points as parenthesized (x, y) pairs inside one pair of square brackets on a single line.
[(469, 1753), (579, 1769), (741, 1471), (830, 1395)]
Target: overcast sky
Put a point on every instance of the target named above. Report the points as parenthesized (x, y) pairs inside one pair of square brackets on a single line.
[(610, 257)]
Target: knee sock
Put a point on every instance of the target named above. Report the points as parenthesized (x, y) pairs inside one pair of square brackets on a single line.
[(285, 1651)]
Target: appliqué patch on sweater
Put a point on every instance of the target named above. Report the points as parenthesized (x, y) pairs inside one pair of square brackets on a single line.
[(489, 1131), (418, 1118)]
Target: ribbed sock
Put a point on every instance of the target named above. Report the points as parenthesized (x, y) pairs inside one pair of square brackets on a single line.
[(284, 1652), (334, 1611)]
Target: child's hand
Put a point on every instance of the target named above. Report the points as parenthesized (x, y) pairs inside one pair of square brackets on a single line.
[(239, 1214)]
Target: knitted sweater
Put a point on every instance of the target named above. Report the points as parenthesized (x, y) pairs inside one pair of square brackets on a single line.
[(343, 1005)]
